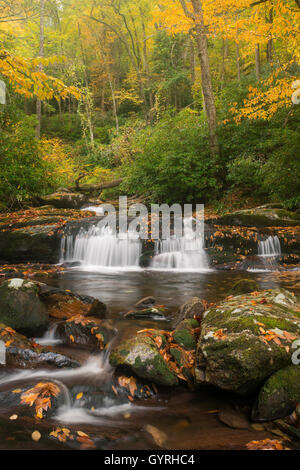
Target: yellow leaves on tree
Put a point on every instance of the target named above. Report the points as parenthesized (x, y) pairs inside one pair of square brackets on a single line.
[(60, 167), (28, 81)]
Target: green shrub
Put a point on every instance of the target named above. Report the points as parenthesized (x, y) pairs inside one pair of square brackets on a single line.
[(22, 171), (172, 162)]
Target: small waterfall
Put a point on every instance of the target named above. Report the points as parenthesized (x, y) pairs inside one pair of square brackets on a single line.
[(181, 253), (101, 247), (49, 338), (269, 247)]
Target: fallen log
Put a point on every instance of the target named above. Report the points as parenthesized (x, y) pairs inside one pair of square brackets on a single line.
[(91, 188)]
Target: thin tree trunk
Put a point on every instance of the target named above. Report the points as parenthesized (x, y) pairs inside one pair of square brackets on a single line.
[(207, 89), (238, 62), (257, 62), (41, 54), (192, 61), (270, 42)]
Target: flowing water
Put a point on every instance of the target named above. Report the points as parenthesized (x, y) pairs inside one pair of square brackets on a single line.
[(109, 270), (269, 247)]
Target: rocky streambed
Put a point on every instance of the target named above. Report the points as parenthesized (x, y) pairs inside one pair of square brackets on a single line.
[(202, 376)]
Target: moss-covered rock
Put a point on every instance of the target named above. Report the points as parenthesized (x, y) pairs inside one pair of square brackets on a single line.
[(21, 307), (243, 286), (184, 335), (140, 355), (279, 395), (260, 217), (245, 339)]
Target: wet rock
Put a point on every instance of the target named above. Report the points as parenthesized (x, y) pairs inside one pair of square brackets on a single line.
[(90, 332), (247, 338), (34, 235), (194, 307), (243, 286), (27, 400), (279, 395), (22, 353), (146, 302), (146, 313), (21, 307), (233, 419), (63, 304), (125, 386), (184, 334), (260, 217), (140, 356)]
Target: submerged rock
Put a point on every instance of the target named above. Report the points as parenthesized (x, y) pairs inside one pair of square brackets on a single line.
[(145, 313), (247, 338), (22, 353), (140, 355), (279, 395), (243, 286), (90, 332), (146, 302), (21, 307)]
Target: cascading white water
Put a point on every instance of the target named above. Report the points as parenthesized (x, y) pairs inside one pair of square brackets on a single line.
[(49, 338), (101, 247), (98, 209), (269, 247), (181, 253)]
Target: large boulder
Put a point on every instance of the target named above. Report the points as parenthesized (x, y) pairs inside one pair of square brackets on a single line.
[(21, 307), (64, 304), (27, 305), (140, 355), (279, 395), (22, 353), (34, 235), (247, 338)]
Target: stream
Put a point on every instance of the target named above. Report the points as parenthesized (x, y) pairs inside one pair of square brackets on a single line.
[(181, 419)]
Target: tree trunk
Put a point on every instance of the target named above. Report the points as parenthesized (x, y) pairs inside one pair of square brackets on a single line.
[(257, 62), (41, 54), (238, 62), (270, 42), (207, 89)]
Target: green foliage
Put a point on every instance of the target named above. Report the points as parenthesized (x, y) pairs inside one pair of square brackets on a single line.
[(65, 126), (172, 161), (22, 172)]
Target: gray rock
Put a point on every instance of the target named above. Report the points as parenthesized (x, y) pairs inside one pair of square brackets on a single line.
[(21, 307)]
